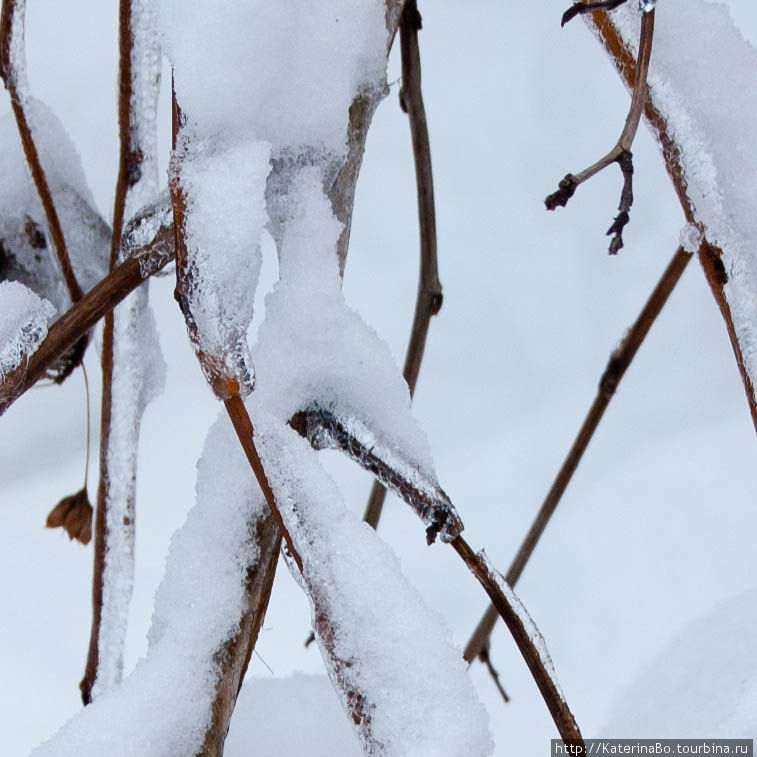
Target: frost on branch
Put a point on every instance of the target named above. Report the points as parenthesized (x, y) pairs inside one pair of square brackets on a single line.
[(212, 583), (26, 253), (23, 325), (696, 45), (382, 646), (315, 353), (249, 76), (136, 377), (224, 216)]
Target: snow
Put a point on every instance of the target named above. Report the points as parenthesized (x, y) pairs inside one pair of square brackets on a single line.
[(283, 72), (138, 372), (163, 707), (23, 325), (225, 216), (146, 64), (87, 236), (382, 646), (700, 684), (312, 349), (691, 238), (696, 45), (297, 716)]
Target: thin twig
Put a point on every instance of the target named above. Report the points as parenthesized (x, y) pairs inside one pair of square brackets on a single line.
[(621, 152), (12, 41), (617, 365), (89, 422), (429, 298), (242, 423), (494, 673), (495, 587)]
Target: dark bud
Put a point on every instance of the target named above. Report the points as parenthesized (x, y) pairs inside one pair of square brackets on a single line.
[(566, 190), (74, 515)]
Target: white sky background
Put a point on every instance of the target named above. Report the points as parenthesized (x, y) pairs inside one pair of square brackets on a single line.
[(659, 522)]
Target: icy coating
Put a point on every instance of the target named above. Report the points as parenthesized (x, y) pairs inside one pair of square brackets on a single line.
[(697, 48), (138, 368), (383, 647), (531, 629), (23, 325), (284, 72), (225, 216), (163, 708), (22, 220)]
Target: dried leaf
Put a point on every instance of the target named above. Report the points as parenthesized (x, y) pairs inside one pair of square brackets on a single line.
[(74, 514)]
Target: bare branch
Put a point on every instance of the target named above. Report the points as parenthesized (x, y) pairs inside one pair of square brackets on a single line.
[(617, 366), (429, 298), (526, 636), (14, 77), (242, 423), (621, 153)]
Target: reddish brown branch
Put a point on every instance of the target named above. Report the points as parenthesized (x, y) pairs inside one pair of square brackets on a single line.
[(616, 368), (12, 38), (523, 636), (242, 423), (429, 298)]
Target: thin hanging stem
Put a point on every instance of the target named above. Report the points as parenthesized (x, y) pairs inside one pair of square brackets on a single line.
[(89, 427)]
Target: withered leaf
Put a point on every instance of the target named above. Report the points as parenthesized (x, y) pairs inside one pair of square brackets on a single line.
[(74, 514)]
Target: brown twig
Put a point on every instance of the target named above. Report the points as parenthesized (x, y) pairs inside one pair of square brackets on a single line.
[(710, 256), (621, 152), (242, 423), (429, 298), (617, 365), (12, 41), (495, 587), (494, 673)]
